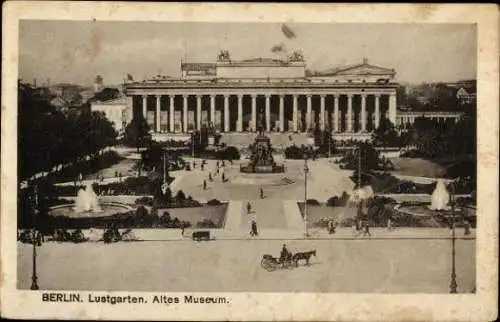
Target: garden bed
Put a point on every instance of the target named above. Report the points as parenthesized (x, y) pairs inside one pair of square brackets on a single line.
[(377, 212), (206, 216)]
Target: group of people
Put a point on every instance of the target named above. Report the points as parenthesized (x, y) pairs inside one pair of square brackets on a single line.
[(361, 227), (219, 169)]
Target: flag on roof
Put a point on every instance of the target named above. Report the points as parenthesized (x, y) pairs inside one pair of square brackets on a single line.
[(129, 77), (287, 31)]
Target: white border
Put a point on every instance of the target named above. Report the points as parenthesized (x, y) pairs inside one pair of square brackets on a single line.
[(266, 306)]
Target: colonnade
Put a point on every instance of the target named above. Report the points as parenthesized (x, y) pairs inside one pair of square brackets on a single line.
[(324, 111), (406, 120)]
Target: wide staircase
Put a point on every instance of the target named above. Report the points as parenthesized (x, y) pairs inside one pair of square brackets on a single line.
[(278, 140)]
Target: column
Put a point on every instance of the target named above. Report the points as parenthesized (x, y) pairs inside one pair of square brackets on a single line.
[(295, 112), (282, 113), (171, 113), (184, 113), (349, 112), (125, 119), (377, 111), (239, 124), (158, 108), (363, 112), (308, 114), (268, 112), (212, 109), (336, 113), (322, 113), (198, 112), (226, 113), (145, 106), (392, 108), (254, 112)]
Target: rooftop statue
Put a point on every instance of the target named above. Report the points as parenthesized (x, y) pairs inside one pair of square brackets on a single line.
[(296, 56), (224, 56)]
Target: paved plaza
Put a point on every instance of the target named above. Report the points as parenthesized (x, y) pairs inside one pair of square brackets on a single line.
[(325, 179), (366, 266)]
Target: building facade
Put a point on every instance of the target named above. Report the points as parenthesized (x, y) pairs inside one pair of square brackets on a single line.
[(116, 111), (266, 94)]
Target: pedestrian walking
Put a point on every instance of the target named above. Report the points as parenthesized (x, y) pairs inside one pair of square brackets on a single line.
[(217, 171), (249, 208), (210, 177), (366, 230), (217, 164), (204, 184), (389, 224), (466, 228), (331, 227), (253, 229), (223, 177), (202, 166), (261, 193)]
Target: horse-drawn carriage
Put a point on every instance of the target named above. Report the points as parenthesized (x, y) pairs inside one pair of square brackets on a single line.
[(270, 263)]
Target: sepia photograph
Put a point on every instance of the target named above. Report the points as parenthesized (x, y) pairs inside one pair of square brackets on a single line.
[(245, 157)]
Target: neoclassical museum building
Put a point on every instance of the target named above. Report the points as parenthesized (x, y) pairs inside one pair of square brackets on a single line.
[(266, 94)]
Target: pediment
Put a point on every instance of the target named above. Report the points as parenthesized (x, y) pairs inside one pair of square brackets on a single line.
[(361, 70), (366, 69)]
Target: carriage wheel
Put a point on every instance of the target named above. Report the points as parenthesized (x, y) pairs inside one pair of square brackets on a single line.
[(267, 265)]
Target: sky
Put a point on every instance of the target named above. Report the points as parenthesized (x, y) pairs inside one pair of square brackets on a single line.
[(77, 51)]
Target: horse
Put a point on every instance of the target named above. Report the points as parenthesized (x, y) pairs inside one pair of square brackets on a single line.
[(303, 256)]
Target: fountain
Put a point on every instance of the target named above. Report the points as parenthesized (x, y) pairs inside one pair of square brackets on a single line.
[(86, 200), (87, 204), (357, 198), (440, 197), (437, 212), (261, 158)]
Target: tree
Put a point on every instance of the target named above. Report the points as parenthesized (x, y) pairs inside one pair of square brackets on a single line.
[(180, 197), (137, 133), (323, 139), (426, 136), (106, 94), (370, 161), (385, 135)]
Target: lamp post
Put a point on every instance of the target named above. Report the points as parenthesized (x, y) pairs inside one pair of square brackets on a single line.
[(360, 203), (164, 167), (306, 171), (192, 147), (34, 278), (453, 282)]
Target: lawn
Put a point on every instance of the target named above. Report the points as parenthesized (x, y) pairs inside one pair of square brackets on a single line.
[(435, 168), (418, 167), (216, 213), (315, 213)]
